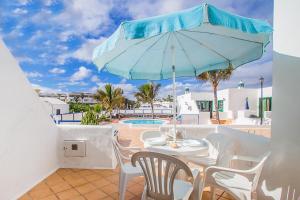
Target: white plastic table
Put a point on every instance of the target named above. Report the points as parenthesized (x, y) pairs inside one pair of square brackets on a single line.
[(182, 150)]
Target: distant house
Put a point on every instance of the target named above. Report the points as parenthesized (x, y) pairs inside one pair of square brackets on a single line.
[(80, 97), (55, 106), (231, 103)]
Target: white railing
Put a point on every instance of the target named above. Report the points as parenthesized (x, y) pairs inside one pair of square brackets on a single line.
[(138, 111)]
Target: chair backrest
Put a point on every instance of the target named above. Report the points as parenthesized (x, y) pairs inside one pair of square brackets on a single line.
[(160, 171), (150, 134), (119, 152), (257, 171), (221, 148)]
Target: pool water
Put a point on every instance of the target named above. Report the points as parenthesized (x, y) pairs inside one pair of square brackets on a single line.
[(143, 121)]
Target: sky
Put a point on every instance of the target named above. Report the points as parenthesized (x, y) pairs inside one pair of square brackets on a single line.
[(53, 41)]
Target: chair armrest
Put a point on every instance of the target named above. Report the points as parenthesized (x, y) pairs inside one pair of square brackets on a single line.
[(210, 170), (133, 149), (246, 158)]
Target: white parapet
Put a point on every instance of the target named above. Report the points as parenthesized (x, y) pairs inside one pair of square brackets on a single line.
[(98, 143), (246, 113), (226, 115), (191, 131)]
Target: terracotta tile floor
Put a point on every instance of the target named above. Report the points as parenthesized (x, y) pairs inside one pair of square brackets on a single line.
[(77, 184)]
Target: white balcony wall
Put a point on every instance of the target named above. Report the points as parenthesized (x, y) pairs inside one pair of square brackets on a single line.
[(28, 135), (280, 178), (99, 150)]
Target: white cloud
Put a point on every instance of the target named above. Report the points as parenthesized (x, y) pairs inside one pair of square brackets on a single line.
[(91, 16), (37, 35), (46, 90), (85, 52), (24, 59), (20, 11), (95, 79), (81, 74), (124, 80), (180, 87), (128, 89), (93, 89), (48, 2), (33, 74), (147, 8), (250, 75), (57, 70), (24, 2), (14, 34)]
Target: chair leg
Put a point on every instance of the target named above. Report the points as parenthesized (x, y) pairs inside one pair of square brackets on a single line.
[(198, 188), (212, 193), (122, 185), (144, 196)]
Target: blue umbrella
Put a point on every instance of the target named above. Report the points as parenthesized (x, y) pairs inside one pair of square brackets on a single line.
[(185, 43)]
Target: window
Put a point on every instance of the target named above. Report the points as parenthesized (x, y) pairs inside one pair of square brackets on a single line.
[(204, 106), (221, 105), (57, 111), (266, 104)]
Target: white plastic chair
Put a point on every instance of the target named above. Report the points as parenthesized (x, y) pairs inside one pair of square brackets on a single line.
[(160, 171), (150, 134), (238, 183), (220, 151), (127, 171)]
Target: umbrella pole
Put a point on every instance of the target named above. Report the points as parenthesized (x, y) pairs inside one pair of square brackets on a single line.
[(174, 93)]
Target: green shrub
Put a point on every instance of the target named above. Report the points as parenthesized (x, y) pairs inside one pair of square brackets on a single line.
[(104, 118), (97, 108), (79, 107), (90, 118)]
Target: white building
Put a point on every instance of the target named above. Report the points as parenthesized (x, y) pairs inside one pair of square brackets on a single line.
[(157, 105), (233, 103), (81, 97), (55, 106)]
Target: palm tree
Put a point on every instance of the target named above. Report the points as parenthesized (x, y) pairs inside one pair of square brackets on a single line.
[(76, 98), (82, 95), (169, 98), (110, 98), (147, 94), (214, 77)]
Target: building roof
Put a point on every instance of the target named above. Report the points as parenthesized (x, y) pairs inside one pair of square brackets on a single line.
[(52, 100)]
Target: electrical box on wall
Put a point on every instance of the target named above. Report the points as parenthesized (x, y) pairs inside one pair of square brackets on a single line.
[(75, 148)]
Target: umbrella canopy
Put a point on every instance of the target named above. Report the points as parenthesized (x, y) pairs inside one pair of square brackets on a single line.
[(185, 43), (203, 38)]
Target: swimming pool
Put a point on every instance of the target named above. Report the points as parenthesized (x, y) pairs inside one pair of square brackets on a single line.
[(144, 121)]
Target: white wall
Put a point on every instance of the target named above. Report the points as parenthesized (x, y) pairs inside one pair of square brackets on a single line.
[(99, 150), (202, 96), (186, 105), (281, 176), (51, 108), (237, 100), (28, 136), (267, 92), (224, 95)]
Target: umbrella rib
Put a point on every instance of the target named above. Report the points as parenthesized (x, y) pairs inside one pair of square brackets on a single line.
[(205, 32), (125, 50), (164, 53), (209, 48), (188, 58), (145, 52)]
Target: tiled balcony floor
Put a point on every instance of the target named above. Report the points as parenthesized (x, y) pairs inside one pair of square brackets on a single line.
[(78, 184)]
